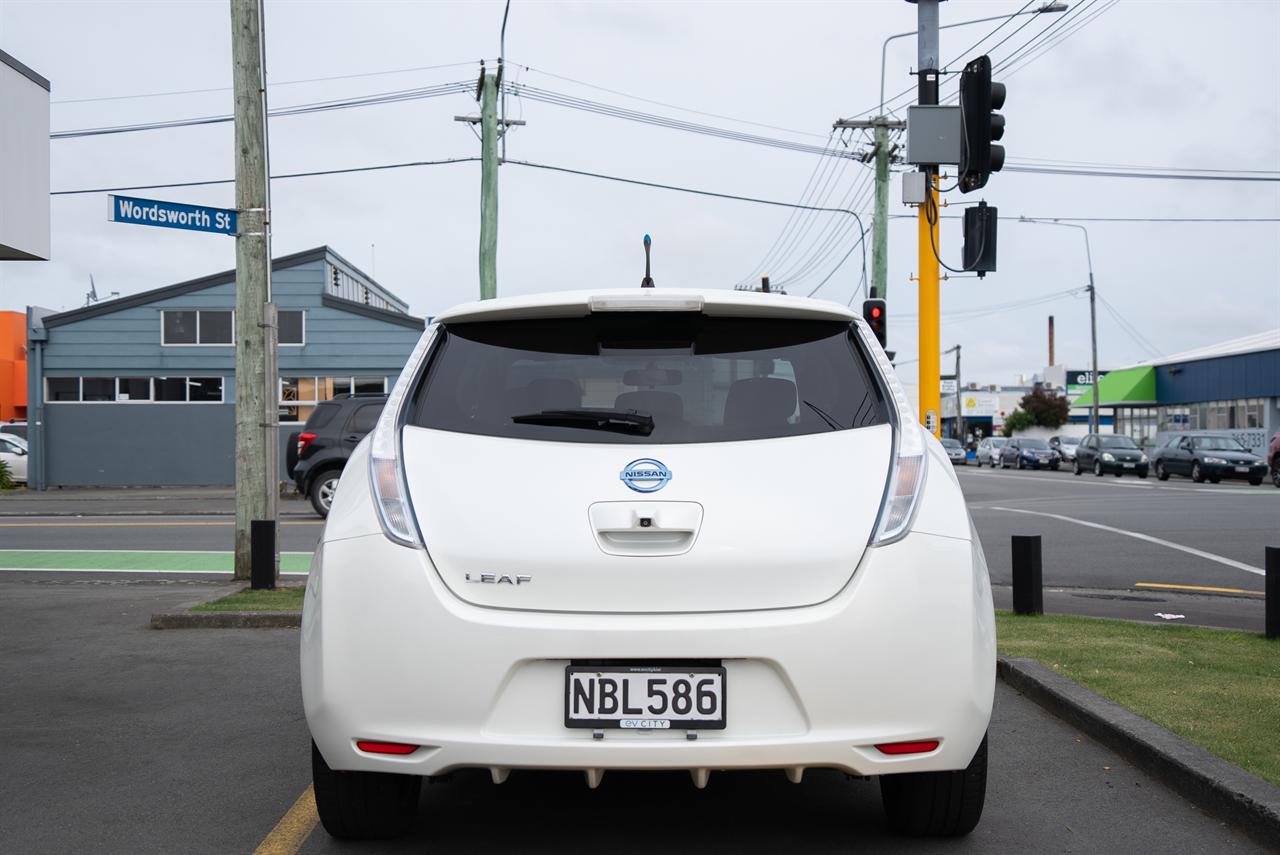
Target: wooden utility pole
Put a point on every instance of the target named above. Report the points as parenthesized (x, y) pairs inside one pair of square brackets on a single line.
[(488, 187), (255, 410)]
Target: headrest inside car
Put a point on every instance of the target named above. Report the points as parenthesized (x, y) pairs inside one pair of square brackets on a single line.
[(759, 401)]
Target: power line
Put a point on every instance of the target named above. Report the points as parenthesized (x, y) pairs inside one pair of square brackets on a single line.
[(311, 174), (434, 91), (270, 85), (1117, 173)]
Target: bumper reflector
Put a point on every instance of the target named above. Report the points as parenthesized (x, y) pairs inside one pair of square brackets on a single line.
[(385, 747), (921, 746)]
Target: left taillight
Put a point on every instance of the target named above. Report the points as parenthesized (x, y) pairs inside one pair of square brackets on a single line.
[(304, 440), (386, 467)]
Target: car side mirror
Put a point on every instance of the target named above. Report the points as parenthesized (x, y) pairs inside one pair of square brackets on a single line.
[(21, 452)]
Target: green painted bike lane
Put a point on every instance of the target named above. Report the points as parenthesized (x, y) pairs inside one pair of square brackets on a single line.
[(139, 561)]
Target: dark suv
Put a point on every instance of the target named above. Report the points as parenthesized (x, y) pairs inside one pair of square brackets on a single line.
[(318, 453)]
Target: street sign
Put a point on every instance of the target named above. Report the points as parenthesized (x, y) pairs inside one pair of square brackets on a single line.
[(948, 387), (171, 215)]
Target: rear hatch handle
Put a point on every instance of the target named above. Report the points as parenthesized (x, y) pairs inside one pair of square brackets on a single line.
[(645, 528)]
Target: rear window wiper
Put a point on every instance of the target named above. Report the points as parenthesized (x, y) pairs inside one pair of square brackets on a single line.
[(618, 421)]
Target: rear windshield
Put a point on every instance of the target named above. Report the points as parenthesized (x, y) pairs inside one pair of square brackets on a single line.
[(642, 378), (321, 416)]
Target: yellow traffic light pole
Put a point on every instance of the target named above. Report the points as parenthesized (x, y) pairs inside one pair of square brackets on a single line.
[(930, 342)]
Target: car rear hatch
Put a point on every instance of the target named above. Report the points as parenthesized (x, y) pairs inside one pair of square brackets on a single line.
[(647, 461)]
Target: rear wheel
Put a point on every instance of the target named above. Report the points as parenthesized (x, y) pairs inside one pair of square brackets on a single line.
[(1275, 471), (1196, 474), (1097, 468), (1255, 481), (1161, 473), (363, 805), (322, 490), (937, 804), (1075, 468)]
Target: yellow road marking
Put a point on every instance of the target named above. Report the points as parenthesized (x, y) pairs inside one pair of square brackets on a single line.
[(292, 829), (1197, 588), (138, 524)]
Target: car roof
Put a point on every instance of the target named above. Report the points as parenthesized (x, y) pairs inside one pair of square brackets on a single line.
[(710, 301)]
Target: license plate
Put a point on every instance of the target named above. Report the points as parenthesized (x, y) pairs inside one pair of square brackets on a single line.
[(644, 697), (1129, 465), (1242, 468)]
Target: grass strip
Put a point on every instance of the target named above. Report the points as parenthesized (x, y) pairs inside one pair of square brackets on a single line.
[(1216, 688), (248, 600)]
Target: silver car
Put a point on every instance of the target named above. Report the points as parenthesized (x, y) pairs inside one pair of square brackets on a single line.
[(989, 450), (955, 451)]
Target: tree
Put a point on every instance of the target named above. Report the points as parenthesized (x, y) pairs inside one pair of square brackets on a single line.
[(1045, 409), (1016, 421)]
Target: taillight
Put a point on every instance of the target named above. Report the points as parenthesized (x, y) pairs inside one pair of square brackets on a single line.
[(372, 747), (304, 439), (919, 746), (909, 462), (386, 468)]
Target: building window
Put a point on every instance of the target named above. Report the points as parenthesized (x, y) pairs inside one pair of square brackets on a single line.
[(299, 395), (101, 390), (62, 389), (291, 327), (189, 326), (133, 388), (98, 389)]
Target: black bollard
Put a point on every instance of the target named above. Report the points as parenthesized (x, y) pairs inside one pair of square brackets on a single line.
[(262, 554), (1028, 589), (1273, 591)]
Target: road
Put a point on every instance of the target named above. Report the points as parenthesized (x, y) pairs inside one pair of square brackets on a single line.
[(1117, 547), (122, 739)]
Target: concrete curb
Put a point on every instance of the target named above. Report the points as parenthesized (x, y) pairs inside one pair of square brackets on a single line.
[(1210, 782), (226, 620)]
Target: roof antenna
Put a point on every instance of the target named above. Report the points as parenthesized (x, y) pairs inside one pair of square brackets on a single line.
[(647, 281)]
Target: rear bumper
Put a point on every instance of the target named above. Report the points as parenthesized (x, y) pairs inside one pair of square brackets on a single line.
[(1229, 472), (905, 651)]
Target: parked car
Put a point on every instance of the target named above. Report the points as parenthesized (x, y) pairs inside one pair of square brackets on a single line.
[(321, 449), (1207, 457), (1110, 452), (955, 451), (13, 451), (1065, 446), (15, 428), (1028, 452), (516, 573), (988, 450), (1273, 458)]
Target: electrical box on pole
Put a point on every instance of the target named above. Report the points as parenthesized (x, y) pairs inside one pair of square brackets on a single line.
[(873, 312), (980, 125), (980, 239)]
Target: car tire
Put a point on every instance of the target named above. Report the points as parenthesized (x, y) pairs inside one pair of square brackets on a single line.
[(323, 487), (1196, 474), (937, 804), (1254, 482), (1097, 468), (1075, 468), (1054, 466), (1213, 480), (363, 805), (1021, 465), (1143, 475), (1161, 472), (1275, 472)]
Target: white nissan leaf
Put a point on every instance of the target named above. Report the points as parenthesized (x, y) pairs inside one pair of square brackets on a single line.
[(648, 530)]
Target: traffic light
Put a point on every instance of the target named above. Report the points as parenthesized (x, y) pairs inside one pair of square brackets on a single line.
[(980, 125), (873, 313), (980, 224)]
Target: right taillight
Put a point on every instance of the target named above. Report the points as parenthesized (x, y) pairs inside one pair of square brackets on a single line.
[(386, 465), (304, 440), (909, 462)]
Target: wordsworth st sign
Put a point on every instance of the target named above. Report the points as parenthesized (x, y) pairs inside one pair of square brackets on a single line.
[(172, 215)]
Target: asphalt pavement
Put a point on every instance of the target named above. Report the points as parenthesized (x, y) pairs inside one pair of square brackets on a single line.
[(121, 739)]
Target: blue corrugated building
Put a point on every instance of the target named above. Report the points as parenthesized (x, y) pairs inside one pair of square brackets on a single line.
[(141, 390)]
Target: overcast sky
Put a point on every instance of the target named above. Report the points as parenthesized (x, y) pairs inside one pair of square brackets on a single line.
[(1179, 84)]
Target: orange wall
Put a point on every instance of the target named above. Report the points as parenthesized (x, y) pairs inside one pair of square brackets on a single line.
[(13, 366)]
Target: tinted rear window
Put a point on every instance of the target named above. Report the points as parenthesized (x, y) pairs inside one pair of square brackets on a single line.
[(700, 379), (321, 416)]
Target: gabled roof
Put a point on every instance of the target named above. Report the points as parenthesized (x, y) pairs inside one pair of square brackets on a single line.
[(284, 262)]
